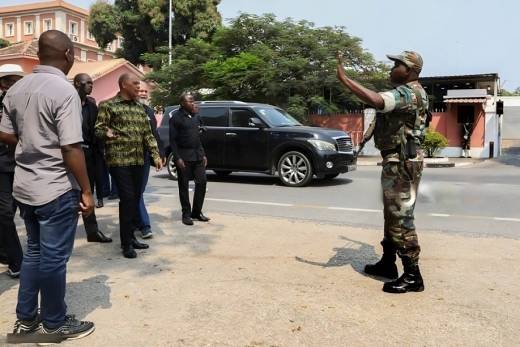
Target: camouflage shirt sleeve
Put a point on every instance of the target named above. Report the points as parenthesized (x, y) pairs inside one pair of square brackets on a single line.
[(397, 99), (102, 121)]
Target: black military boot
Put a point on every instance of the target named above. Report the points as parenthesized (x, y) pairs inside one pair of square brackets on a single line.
[(410, 281), (386, 266)]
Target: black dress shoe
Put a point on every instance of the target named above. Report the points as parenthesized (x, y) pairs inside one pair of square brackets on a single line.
[(139, 245), (128, 252), (187, 221), (100, 203), (200, 217), (98, 236)]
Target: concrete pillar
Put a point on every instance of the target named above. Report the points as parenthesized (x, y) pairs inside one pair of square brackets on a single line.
[(369, 149), (61, 21), (82, 31), (18, 28), (99, 57), (37, 26), (1, 28)]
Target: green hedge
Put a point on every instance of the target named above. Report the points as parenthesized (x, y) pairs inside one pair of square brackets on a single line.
[(433, 142)]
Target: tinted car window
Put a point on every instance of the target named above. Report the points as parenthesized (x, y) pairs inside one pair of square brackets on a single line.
[(167, 115), (214, 116), (277, 117), (240, 117)]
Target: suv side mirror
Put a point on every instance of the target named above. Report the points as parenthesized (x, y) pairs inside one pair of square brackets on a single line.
[(256, 123)]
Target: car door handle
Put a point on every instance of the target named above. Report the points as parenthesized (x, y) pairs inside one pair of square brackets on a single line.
[(231, 134)]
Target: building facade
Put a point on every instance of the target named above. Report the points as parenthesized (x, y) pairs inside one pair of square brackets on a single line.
[(25, 23), (454, 101)]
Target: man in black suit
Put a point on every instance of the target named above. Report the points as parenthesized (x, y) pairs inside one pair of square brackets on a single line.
[(190, 158), (83, 84)]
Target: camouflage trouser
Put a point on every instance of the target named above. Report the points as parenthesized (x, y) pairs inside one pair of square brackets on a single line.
[(400, 182)]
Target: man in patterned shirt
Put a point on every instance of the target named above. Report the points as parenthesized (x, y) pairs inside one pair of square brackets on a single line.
[(398, 133), (123, 125)]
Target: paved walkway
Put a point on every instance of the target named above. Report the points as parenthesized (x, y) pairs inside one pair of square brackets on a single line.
[(249, 281)]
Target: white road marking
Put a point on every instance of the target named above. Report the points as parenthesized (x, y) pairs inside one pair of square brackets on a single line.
[(507, 219), (354, 209), (333, 208), (251, 202)]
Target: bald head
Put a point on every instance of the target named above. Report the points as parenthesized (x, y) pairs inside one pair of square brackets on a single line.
[(122, 79), (129, 86), (56, 49), (83, 84)]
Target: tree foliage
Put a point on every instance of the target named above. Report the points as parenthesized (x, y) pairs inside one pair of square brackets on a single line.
[(143, 24), (504, 92), (4, 43), (286, 63), (433, 142)]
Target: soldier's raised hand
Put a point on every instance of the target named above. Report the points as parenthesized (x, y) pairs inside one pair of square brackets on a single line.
[(339, 57)]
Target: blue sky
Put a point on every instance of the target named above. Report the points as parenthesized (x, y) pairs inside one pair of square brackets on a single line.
[(454, 36)]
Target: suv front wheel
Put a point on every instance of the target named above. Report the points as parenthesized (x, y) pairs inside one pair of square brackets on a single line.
[(294, 169), (172, 169)]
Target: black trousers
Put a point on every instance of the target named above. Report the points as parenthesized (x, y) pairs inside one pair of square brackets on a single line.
[(90, 222), (129, 180), (8, 236), (194, 170), (102, 177)]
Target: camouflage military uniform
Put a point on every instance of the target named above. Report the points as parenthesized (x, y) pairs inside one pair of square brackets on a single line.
[(402, 120)]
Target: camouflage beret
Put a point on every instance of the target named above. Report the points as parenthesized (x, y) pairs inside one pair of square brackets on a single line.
[(409, 58)]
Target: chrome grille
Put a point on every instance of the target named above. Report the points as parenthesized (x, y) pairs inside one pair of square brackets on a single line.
[(344, 144)]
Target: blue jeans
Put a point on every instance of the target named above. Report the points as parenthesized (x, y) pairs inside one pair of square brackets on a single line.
[(50, 238), (144, 218)]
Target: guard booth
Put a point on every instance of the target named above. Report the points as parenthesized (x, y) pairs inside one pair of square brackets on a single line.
[(457, 100)]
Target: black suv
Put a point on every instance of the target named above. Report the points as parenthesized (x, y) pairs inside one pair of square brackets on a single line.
[(262, 138)]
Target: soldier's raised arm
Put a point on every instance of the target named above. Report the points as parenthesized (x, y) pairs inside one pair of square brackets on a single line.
[(366, 95)]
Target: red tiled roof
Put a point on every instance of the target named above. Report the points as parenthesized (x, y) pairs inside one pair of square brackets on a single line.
[(97, 69), (42, 6), (29, 48)]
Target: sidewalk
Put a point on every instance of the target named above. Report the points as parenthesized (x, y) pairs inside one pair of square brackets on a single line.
[(430, 162), (250, 281)]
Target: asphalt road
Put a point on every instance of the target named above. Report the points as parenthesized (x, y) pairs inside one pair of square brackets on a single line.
[(479, 200)]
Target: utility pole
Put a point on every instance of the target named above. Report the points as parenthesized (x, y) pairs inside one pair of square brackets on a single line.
[(170, 17)]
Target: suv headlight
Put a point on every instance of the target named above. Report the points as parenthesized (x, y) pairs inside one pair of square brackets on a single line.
[(321, 145)]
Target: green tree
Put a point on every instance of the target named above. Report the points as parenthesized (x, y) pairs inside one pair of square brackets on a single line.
[(143, 24), (185, 73), (103, 23), (285, 63), (433, 142), (4, 43), (504, 92)]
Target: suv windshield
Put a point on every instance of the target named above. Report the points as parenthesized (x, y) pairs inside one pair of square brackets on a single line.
[(276, 117)]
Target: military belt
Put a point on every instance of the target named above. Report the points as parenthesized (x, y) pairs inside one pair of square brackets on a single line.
[(386, 152)]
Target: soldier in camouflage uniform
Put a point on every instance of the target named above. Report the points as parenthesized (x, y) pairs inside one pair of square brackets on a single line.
[(398, 131)]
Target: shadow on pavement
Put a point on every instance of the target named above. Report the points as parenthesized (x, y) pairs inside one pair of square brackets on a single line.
[(354, 253), (6, 282), (510, 156), (198, 239), (88, 295)]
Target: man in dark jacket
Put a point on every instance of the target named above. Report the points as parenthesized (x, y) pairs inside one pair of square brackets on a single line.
[(9, 241), (144, 224), (190, 158), (83, 84)]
